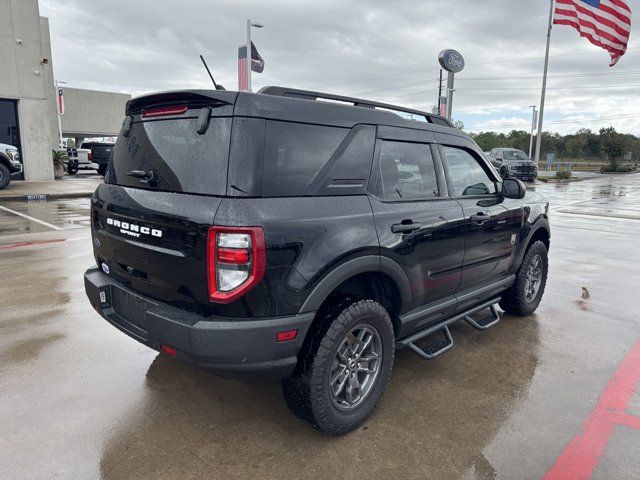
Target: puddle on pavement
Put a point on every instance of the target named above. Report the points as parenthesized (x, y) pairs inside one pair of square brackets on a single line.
[(66, 214), (27, 349)]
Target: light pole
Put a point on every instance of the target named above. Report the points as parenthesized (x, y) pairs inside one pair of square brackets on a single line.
[(249, 53), (534, 120)]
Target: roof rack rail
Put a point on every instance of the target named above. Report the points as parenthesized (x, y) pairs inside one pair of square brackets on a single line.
[(357, 102)]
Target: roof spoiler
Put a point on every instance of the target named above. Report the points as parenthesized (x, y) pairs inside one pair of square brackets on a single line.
[(189, 99)]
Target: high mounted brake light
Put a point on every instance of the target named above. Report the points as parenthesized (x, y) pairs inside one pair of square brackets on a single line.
[(235, 261), (164, 111)]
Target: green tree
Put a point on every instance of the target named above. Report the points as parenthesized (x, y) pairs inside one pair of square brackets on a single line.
[(612, 143)]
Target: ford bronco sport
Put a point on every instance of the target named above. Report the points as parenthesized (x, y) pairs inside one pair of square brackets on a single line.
[(301, 237)]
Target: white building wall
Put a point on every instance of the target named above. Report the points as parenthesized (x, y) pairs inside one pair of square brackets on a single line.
[(23, 77), (27, 77), (91, 113)]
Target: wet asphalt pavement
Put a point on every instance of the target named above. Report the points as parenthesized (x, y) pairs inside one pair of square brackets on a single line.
[(556, 392)]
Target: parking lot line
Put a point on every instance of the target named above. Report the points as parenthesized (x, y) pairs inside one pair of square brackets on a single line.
[(582, 454), (29, 244), (41, 222)]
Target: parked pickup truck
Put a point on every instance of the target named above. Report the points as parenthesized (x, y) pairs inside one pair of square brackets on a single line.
[(9, 163), (78, 159), (100, 154)]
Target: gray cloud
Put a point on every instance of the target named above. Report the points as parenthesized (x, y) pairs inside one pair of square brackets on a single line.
[(345, 47)]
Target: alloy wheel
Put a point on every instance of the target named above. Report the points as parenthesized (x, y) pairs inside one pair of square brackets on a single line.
[(355, 367)]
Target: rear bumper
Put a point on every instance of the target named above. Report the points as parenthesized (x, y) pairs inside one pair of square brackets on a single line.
[(237, 348)]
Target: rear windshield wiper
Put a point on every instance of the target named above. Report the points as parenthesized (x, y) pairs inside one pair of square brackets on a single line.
[(145, 176)]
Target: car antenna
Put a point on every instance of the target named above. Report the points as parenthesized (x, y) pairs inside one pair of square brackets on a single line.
[(217, 87)]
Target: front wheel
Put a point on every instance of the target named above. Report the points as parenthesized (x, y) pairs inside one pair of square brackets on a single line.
[(5, 176), (525, 294), (344, 369)]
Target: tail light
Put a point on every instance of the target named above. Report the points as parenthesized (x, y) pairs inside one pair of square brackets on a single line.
[(235, 261), (90, 156), (164, 111)]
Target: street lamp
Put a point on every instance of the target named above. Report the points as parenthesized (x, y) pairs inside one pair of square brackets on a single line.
[(534, 120), (249, 52)]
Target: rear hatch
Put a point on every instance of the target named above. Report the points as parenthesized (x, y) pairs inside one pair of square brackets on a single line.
[(151, 216)]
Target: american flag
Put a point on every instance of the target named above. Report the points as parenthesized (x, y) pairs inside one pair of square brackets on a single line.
[(605, 23), (60, 102), (257, 65)]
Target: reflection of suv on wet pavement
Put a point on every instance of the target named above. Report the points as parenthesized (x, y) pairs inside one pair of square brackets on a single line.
[(9, 163), (272, 236), (514, 163)]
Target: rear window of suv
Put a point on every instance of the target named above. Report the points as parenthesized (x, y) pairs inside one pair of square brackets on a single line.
[(294, 154), (180, 159)]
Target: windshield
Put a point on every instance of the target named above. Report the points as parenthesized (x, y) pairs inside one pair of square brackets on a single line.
[(170, 155), (515, 155)]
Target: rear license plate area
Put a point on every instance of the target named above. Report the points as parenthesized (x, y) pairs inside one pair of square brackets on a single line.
[(130, 307)]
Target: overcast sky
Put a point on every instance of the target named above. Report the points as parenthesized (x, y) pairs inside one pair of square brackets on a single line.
[(377, 49)]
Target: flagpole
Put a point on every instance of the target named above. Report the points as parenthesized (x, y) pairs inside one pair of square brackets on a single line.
[(57, 85), (544, 84), (249, 56)]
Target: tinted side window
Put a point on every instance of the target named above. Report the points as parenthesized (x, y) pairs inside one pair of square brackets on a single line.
[(405, 171), (467, 175), (294, 154)]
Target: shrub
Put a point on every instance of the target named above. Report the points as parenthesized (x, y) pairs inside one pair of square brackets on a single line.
[(618, 168), (563, 175)]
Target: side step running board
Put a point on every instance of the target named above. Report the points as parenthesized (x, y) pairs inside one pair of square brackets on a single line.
[(441, 345), (485, 322), (436, 348)]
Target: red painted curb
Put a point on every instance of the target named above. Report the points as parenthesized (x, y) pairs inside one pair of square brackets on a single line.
[(582, 454)]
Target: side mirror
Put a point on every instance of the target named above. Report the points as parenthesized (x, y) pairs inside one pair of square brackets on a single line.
[(513, 188)]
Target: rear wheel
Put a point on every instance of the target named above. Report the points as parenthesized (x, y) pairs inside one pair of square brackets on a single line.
[(526, 293), (72, 168), (345, 368), (5, 176), (102, 169)]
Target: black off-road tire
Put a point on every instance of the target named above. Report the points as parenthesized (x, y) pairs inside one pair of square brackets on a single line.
[(5, 176), (514, 300), (102, 169), (72, 167), (307, 392)]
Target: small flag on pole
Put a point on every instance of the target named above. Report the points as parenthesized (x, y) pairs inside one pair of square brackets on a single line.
[(605, 23), (257, 65), (60, 102)]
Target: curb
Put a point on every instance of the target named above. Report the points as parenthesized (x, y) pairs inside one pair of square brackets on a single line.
[(44, 197)]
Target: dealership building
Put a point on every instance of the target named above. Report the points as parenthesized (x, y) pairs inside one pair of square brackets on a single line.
[(28, 109)]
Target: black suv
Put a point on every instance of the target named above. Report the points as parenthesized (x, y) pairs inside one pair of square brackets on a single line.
[(297, 236)]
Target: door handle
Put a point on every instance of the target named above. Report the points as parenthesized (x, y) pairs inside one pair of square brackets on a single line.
[(405, 227), (480, 218)]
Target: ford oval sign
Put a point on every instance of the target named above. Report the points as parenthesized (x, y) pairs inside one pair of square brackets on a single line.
[(451, 61)]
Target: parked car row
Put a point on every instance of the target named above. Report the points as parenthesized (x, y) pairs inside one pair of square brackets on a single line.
[(91, 156)]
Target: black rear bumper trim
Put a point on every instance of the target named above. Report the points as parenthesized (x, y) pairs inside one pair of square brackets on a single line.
[(231, 347)]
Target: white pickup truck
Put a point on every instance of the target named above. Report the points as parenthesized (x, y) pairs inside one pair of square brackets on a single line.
[(9, 163), (79, 159)]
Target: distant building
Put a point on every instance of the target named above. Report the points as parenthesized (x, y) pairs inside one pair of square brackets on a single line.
[(28, 112)]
